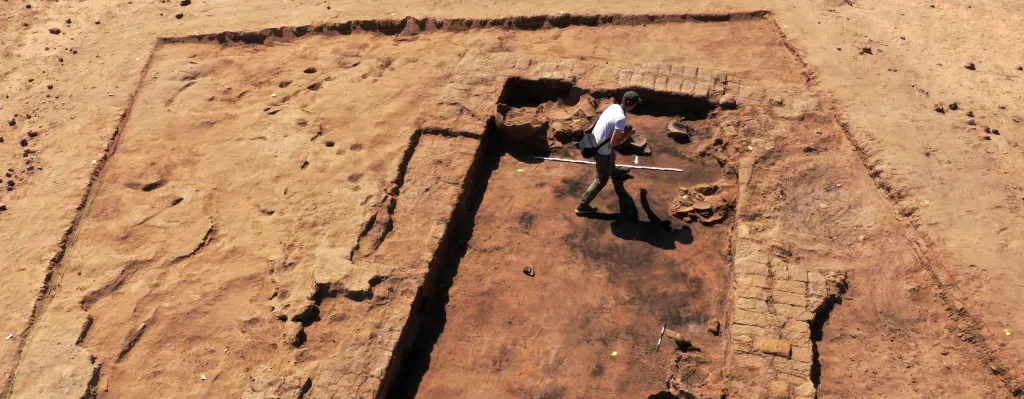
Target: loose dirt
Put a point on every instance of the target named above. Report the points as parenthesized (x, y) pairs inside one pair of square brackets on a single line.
[(215, 206)]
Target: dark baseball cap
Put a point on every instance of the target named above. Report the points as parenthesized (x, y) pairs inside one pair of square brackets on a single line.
[(631, 98)]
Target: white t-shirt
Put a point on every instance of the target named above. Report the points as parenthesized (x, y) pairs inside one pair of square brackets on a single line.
[(611, 119)]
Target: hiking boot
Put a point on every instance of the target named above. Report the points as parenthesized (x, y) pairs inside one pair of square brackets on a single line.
[(585, 209)]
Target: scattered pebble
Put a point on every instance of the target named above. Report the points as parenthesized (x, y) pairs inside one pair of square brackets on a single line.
[(97, 22), (1020, 67), (179, 16), (866, 50), (714, 327), (954, 106), (32, 133), (309, 70), (528, 270), (55, 31), (3, 208), (68, 21), (970, 114), (185, 2), (329, 143), (970, 66), (940, 109), (971, 122)]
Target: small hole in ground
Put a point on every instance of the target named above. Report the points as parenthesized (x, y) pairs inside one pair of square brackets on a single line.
[(153, 186)]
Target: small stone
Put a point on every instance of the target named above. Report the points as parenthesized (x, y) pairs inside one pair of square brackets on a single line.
[(32, 133), (267, 211), (185, 3), (12, 122), (714, 327), (970, 66), (995, 131), (940, 109), (309, 70), (866, 50), (986, 137), (528, 270), (68, 21), (1020, 67), (23, 142), (3, 207), (179, 16), (329, 143), (970, 114), (28, 6), (97, 22), (972, 122), (954, 106), (55, 31)]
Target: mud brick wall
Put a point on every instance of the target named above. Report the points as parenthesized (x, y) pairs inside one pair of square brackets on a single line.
[(469, 98)]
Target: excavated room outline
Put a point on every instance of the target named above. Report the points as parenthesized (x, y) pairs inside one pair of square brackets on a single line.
[(416, 26)]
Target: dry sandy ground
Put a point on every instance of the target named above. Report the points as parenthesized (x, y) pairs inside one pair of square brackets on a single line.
[(927, 222)]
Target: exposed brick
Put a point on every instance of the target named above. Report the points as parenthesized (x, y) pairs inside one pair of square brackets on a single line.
[(673, 84), (753, 280), (660, 83), (788, 298), (793, 312), (746, 330), (802, 354), (779, 389), (750, 362), (805, 391), (774, 346), (747, 291), (756, 319), (796, 287), (648, 80), (624, 77), (636, 79), (701, 89), (753, 305)]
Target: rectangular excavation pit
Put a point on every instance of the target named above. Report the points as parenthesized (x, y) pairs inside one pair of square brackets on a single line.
[(273, 164), (602, 284)]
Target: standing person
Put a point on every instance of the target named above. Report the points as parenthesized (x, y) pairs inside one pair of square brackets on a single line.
[(612, 123)]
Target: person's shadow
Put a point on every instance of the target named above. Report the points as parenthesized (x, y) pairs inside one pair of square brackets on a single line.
[(628, 226)]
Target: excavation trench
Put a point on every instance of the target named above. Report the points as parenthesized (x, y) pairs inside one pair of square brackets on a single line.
[(602, 284)]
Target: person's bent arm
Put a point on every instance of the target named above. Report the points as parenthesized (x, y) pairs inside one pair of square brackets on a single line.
[(619, 136)]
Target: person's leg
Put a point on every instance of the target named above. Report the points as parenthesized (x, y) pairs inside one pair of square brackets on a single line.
[(605, 163)]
